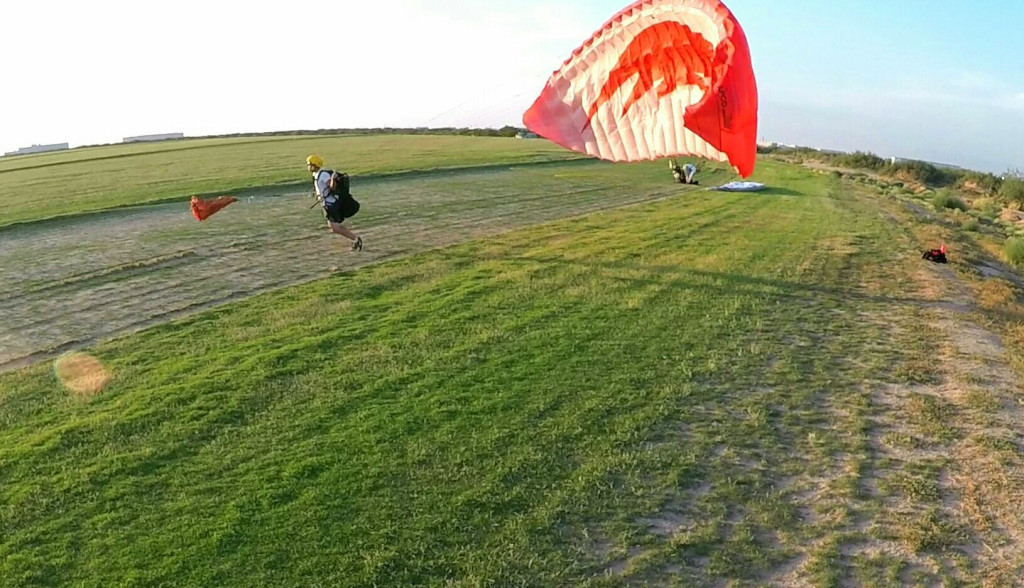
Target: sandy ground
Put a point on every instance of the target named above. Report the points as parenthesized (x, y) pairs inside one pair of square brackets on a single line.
[(69, 283)]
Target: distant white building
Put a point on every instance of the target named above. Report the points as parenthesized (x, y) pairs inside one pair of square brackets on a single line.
[(163, 137), (766, 144), (39, 149), (527, 135)]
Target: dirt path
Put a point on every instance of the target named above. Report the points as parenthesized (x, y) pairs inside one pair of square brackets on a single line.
[(939, 493), (68, 283), (982, 486)]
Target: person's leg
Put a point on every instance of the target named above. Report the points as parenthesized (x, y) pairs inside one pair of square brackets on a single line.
[(340, 229)]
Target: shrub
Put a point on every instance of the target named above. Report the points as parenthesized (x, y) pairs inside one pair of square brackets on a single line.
[(987, 208), (860, 160), (944, 199), (980, 182), (924, 173), (1014, 250), (1012, 190)]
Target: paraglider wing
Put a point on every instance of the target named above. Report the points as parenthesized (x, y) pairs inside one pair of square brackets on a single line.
[(203, 209), (661, 78)]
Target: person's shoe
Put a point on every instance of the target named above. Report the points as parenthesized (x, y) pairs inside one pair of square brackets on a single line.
[(357, 245)]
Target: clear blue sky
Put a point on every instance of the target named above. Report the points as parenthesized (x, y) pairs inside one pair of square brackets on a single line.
[(942, 81), (934, 80)]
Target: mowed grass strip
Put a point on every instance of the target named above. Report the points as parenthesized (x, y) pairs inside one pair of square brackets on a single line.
[(636, 394), (59, 184)]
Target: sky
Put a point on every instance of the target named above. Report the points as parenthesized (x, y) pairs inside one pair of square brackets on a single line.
[(939, 81)]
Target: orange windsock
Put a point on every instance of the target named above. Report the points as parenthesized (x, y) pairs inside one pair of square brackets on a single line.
[(204, 209)]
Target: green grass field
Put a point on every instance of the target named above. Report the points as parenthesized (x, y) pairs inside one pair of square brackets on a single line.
[(68, 183), (707, 388)]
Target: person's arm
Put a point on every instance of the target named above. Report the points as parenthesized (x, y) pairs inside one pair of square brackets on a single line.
[(321, 184)]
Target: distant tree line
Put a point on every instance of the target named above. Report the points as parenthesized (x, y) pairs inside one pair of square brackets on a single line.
[(506, 131)]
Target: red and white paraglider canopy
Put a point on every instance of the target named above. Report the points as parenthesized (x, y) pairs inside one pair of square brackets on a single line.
[(661, 78)]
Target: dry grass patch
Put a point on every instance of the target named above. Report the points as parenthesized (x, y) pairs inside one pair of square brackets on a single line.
[(995, 294)]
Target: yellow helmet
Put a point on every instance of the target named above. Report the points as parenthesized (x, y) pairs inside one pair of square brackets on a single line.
[(315, 160)]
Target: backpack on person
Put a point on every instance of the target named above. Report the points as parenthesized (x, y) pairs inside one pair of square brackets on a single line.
[(338, 184)]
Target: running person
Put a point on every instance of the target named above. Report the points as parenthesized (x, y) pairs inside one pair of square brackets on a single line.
[(337, 207)]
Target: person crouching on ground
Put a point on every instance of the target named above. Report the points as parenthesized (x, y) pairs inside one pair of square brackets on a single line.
[(685, 174), (337, 206)]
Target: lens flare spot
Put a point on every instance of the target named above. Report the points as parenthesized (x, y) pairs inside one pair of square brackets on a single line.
[(81, 373)]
